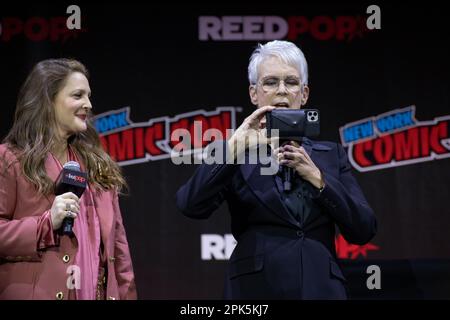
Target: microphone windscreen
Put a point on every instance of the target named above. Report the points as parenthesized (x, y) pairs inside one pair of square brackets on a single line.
[(72, 165)]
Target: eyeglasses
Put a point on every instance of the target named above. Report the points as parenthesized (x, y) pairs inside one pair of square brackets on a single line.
[(271, 84)]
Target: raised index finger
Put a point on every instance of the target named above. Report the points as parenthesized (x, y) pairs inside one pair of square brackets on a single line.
[(260, 112)]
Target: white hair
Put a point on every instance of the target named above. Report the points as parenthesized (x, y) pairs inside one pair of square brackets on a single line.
[(288, 53)]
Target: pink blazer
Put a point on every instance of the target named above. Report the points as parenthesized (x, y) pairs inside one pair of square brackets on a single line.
[(29, 273)]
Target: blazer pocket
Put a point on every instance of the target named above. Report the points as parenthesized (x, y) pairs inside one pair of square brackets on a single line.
[(335, 271), (246, 266)]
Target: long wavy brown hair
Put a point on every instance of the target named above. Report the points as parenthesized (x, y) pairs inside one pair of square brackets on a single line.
[(34, 134)]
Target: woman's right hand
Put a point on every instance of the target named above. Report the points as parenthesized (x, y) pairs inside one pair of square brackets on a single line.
[(252, 126), (66, 205)]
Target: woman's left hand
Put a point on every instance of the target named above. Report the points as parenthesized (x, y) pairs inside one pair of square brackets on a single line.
[(293, 156)]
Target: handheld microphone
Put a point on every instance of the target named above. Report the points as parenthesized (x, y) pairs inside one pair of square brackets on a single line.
[(70, 179), (288, 173)]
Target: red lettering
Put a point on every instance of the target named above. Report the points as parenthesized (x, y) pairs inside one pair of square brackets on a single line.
[(36, 29), (58, 28), (180, 124), (406, 144), (139, 142), (325, 33), (197, 128), (220, 122), (297, 25), (438, 132), (121, 145), (153, 134), (424, 141), (359, 153), (11, 27), (345, 25), (104, 142), (343, 248), (383, 149)]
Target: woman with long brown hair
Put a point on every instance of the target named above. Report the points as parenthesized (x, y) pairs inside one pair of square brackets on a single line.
[(52, 126)]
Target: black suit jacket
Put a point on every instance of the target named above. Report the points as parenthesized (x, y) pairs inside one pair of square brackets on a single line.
[(276, 256)]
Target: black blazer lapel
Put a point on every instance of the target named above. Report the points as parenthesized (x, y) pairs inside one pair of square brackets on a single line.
[(265, 189)]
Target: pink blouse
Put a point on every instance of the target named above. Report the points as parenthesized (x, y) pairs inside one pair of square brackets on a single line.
[(86, 229)]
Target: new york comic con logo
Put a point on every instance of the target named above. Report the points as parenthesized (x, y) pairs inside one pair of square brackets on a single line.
[(130, 143), (394, 139)]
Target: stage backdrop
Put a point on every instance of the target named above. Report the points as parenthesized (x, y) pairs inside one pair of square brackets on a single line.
[(383, 93)]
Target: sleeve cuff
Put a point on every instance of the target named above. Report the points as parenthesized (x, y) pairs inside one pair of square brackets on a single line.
[(46, 237)]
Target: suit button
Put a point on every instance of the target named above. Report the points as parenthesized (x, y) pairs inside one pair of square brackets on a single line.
[(66, 258), (300, 234), (112, 259), (59, 296)]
